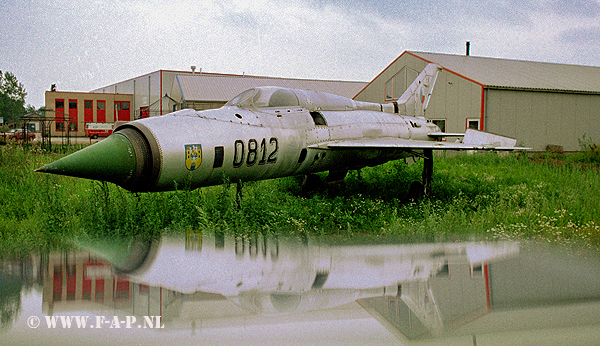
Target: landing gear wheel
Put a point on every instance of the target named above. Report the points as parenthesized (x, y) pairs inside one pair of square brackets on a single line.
[(311, 184), (416, 191)]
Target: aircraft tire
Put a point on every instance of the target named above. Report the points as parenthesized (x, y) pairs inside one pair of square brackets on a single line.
[(416, 191), (311, 184)]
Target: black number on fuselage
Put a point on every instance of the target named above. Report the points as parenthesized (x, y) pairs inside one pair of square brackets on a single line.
[(267, 153), (238, 155), (252, 152), (263, 149), (273, 157)]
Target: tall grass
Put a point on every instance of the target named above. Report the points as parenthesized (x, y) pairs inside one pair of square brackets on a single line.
[(473, 196)]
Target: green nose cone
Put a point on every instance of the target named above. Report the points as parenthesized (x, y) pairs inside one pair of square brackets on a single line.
[(112, 159), (126, 254)]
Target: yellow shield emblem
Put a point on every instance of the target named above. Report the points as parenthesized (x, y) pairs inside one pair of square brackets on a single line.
[(193, 156)]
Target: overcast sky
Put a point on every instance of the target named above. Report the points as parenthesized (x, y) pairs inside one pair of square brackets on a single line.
[(83, 45)]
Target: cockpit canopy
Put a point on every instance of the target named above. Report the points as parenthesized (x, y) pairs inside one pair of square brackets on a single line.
[(276, 97), (265, 97)]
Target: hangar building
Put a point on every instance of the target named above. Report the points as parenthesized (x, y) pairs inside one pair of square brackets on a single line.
[(164, 91), (537, 103)]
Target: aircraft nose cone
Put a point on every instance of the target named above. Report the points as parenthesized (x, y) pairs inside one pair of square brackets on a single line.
[(112, 159), (124, 253)]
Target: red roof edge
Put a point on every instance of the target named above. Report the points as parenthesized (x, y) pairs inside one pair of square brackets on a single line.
[(418, 57), (380, 73)]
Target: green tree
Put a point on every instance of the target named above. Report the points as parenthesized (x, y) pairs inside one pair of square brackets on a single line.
[(12, 97)]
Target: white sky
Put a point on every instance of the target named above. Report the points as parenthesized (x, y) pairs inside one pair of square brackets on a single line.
[(83, 45)]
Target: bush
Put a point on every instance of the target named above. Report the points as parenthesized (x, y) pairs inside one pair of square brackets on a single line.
[(590, 151)]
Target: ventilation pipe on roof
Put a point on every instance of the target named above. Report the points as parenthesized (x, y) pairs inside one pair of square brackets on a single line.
[(468, 48), (193, 69)]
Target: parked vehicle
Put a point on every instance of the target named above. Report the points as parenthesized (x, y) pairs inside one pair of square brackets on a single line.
[(18, 134), (95, 130)]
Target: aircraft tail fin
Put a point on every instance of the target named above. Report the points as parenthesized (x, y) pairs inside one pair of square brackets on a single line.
[(415, 99)]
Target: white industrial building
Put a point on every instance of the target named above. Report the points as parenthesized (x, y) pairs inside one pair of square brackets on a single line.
[(539, 104), (164, 91)]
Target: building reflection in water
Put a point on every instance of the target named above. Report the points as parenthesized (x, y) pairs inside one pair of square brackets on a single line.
[(417, 291), (82, 281)]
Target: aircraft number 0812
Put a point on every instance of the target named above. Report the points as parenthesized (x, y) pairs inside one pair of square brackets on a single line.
[(253, 152)]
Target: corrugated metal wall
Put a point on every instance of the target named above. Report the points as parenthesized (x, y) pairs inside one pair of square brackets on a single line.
[(538, 119)]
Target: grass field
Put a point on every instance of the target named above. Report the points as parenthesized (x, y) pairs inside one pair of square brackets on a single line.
[(549, 197)]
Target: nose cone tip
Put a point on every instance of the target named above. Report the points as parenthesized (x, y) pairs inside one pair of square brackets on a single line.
[(126, 254), (112, 159), (50, 168)]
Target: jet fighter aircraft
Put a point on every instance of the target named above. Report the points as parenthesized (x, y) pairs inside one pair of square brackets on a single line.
[(270, 132)]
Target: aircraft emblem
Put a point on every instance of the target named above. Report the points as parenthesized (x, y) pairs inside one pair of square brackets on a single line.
[(193, 156)]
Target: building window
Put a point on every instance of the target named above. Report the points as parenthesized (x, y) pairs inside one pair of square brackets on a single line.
[(473, 124), (73, 115), (144, 112), (59, 118), (477, 270), (88, 111), (389, 89), (441, 123), (444, 271), (395, 86), (122, 112), (101, 111)]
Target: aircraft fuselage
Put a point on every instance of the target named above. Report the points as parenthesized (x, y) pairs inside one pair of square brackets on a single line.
[(202, 148)]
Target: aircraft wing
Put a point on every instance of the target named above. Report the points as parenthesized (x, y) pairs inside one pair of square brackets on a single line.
[(407, 144)]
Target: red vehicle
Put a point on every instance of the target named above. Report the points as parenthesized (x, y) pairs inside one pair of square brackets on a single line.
[(19, 134), (95, 130)]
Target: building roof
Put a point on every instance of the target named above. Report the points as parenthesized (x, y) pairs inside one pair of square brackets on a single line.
[(220, 87), (496, 73)]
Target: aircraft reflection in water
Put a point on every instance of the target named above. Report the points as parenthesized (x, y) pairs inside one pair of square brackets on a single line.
[(271, 276), (416, 290), (494, 292), (271, 132)]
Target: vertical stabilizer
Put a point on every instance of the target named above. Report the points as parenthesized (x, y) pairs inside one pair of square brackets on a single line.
[(415, 99)]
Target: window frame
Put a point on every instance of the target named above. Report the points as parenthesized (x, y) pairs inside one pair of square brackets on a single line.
[(473, 120)]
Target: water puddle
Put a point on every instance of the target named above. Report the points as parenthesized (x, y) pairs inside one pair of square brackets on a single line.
[(221, 290)]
